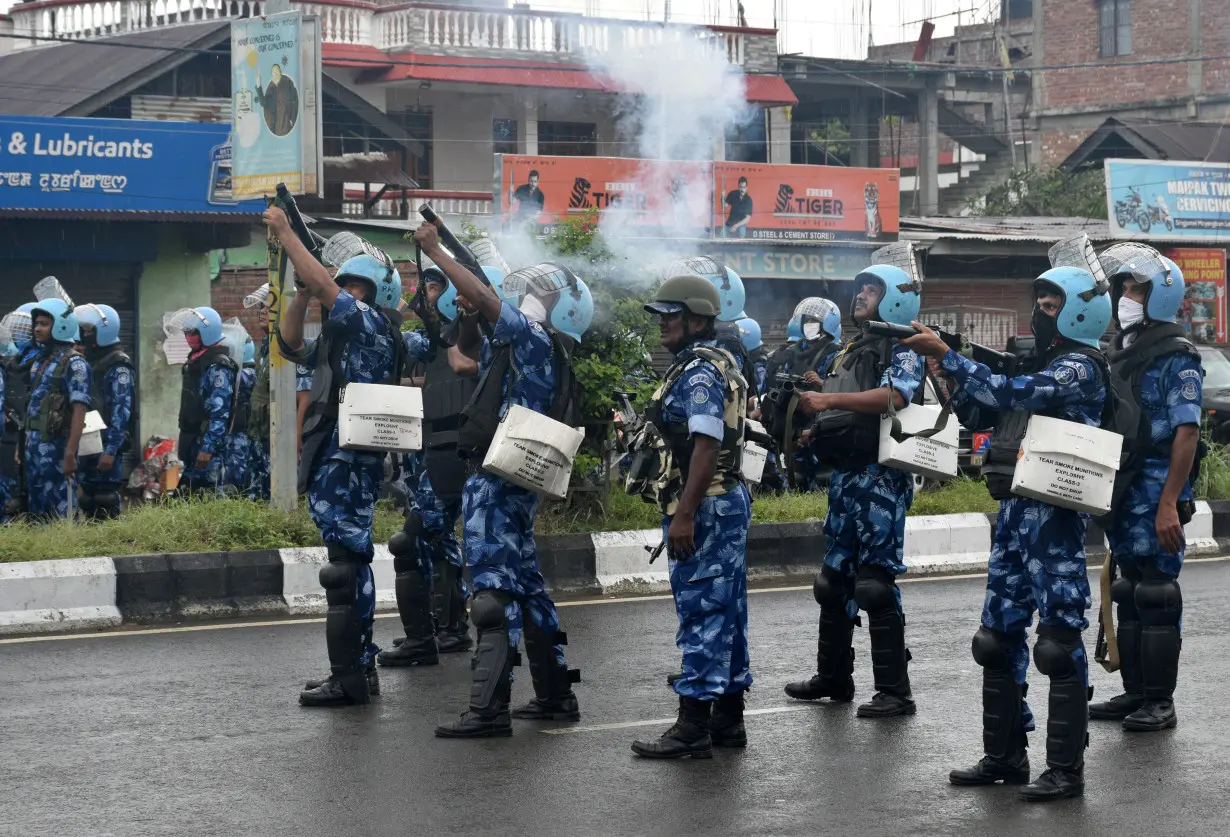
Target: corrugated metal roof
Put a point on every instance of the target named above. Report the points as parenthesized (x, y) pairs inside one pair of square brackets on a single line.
[(1026, 228), (57, 79), (181, 108)]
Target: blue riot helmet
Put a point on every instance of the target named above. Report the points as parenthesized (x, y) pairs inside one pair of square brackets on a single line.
[(64, 321), (817, 314), (533, 288), (27, 307), (749, 332), (1143, 264), (899, 300), (794, 330), (446, 303), (249, 351), (1085, 314), (103, 319), (205, 322), (729, 285), (381, 276)]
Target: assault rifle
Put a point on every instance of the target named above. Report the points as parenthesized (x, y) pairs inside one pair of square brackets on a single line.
[(629, 422), (460, 252), (1000, 363), (285, 201)]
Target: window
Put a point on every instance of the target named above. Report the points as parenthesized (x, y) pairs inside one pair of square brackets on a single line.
[(568, 139), (504, 136), (1115, 27)]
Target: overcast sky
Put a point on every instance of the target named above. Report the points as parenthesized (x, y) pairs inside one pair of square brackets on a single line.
[(828, 28)]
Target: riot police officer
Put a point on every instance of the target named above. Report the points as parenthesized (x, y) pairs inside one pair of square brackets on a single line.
[(359, 343), (524, 360), (55, 410), (698, 414), (749, 332), (1038, 554), (16, 340), (818, 324), (426, 553), (238, 456), (206, 401), (1155, 364), (114, 379), (868, 502), (731, 295), (258, 407)]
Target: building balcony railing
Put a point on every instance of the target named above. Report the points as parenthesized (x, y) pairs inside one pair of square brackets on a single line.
[(390, 205), (422, 27)]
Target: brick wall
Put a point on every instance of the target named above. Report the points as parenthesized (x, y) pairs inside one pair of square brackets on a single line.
[(1159, 31)]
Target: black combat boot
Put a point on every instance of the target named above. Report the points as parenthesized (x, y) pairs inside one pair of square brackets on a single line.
[(1123, 592), (414, 607), (875, 591), (1161, 607), (1003, 737), (1067, 723), (553, 699), (345, 635), (493, 663), (726, 725), (834, 677), (449, 605), (688, 738)]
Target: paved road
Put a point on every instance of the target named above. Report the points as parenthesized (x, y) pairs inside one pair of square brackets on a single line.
[(198, 733)]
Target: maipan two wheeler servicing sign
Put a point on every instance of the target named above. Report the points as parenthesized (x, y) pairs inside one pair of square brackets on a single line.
[(116, 165), (1164, 200)]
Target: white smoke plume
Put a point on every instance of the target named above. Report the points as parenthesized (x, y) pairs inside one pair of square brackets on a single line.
[(680, 98)]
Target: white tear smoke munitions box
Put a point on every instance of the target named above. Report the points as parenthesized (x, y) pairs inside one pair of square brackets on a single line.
[(533, 451), (1067, 464), (380, 417), (91, 443), (934, 457), (755, 456)]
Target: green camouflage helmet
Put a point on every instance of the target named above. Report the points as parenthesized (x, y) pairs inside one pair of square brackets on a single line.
[(694, 293)]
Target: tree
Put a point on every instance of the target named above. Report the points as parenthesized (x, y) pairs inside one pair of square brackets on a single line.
[(1047, 192)]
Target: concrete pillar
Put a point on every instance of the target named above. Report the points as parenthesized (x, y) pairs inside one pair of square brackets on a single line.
[(529, 126), (779, 136), (928, 150), (719, 149), (1195, 45), (861, 153)]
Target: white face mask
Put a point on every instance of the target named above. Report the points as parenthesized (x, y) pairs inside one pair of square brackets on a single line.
[(533, 309), (1131, 312), (811, 331)]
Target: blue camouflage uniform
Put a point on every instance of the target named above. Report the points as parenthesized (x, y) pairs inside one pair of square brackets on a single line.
[(46, 485), (710, 587), (344, 484), (239, 444), (865, 523), (498, 529), (1170, 394), (1037, 557), (218, 392), (117, 389), (808, 469), (6, 487)]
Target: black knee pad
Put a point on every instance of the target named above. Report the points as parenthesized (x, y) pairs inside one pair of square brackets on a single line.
[(1053, 651), (1123, 591), (1159, 600), (828, 587), (402, 544), (875, 589), (413, 527), (340, 580), (487, 610), (991, 650)]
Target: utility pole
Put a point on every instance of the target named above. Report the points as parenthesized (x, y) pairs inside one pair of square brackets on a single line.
[(283, 412)]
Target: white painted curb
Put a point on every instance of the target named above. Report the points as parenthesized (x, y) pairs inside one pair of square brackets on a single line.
[(622, 564), (947, 543), (60, 595), (1199, 532), (301, 588)]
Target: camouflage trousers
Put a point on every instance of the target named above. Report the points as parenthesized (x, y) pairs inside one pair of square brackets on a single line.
[(235, 462), (47, 489), (865, 524), (439, 518), (1133, 534), (258, 470), (710, 590), (498, 541), (1037, 563), (342, 497)]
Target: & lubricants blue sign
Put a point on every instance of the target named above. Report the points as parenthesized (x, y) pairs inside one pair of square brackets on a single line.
[(117, 165), (1167, 200)]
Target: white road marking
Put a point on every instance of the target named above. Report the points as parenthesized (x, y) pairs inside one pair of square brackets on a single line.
[(184, 629), (660, 721)]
